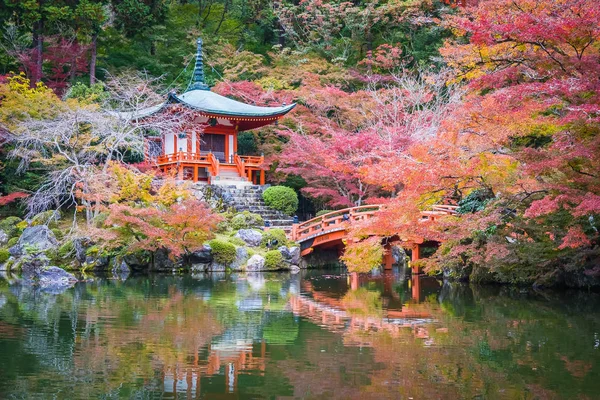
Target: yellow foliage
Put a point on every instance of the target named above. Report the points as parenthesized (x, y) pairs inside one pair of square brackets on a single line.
[(131, 187), (363, 256), (19, 100), (171, 192)]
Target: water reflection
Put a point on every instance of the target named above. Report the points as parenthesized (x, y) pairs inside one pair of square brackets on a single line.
[(311, 335)]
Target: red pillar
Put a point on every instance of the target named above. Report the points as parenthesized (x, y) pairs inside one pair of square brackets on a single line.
[(354, 281), (388, 259), (416, 255), (262, 177), (416, 288)]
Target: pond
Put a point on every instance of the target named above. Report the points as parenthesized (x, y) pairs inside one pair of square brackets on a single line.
[(312, 335)]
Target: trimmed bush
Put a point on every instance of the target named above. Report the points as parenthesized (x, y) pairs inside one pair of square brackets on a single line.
[(222, 252), (246, 220), (12, 242), (274, 260), (9, 225), (4, 255), (281, 198), (323, 212), (274, 238)]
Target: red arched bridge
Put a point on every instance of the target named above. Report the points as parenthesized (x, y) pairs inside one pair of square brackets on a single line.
[(329, 231)]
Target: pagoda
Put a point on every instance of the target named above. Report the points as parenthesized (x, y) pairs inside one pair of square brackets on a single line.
[(207, 150)]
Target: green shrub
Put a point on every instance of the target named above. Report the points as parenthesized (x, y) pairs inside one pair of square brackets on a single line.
[(323, 212), (222, 252), (475, 201), (281, 198), (12, 241), (4, 255), (9, 225), (274, 260), (246, 220), (274, 238)]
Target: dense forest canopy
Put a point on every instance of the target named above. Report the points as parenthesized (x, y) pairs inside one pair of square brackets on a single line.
[(491, 105)]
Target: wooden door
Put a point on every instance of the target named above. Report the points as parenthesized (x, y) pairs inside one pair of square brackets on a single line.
[(214, 143)]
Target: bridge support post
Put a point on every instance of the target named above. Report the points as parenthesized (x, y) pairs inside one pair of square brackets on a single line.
[(416, 255), (195, 173), (416, 288), (354, 283), (388, 258)]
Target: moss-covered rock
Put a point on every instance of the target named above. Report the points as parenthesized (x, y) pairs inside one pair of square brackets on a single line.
[(223, 252), (274, 260), (49, 218), (274, 238), (4, 255), (9, 226)]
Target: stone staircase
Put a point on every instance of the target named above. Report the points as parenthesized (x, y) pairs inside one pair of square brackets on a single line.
[(249, 198)]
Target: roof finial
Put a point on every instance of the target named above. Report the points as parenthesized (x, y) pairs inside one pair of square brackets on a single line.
[(198, 80)]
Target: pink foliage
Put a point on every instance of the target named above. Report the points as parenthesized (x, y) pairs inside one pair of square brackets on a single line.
[(575, 238), (9, 198)]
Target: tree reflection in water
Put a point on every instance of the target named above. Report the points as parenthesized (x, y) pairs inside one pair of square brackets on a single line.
[(313, 335)]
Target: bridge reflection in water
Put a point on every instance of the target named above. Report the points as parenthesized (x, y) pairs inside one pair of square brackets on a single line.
[(344, 307)]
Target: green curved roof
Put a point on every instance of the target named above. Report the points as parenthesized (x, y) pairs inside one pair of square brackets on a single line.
[(213, 103)]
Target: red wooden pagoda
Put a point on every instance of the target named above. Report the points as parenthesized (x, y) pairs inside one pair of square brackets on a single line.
[(208, 150)]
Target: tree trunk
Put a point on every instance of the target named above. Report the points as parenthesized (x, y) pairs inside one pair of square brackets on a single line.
[(225, 9), (153, 48), (93, 56), (38, 41), (281, 36)]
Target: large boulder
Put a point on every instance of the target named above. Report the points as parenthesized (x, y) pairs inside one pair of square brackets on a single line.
[(162, 262), (216, 267), (120, 270), (81, 245), (3, 238), (55, 279), (200, 267), (201, 256), (136, 261), (255, 263), (35, 271), (295, 257), (291, 255), (241, 256), (39, 237), (250, 237)]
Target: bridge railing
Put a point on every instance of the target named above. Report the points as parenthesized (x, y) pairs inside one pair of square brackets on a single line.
[(341, 218), (332, 220)]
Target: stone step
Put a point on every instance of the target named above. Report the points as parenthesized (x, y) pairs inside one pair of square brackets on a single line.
[(281, 222)]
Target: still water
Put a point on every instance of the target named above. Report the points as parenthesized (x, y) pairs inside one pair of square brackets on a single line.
[(314, 335)]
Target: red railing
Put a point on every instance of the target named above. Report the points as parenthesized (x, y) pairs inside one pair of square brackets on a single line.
[(253, 161), (339, 220), (208, 160), (336, 220), (239, 163)]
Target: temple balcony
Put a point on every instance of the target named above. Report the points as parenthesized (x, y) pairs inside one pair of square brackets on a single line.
[(200, 167)]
